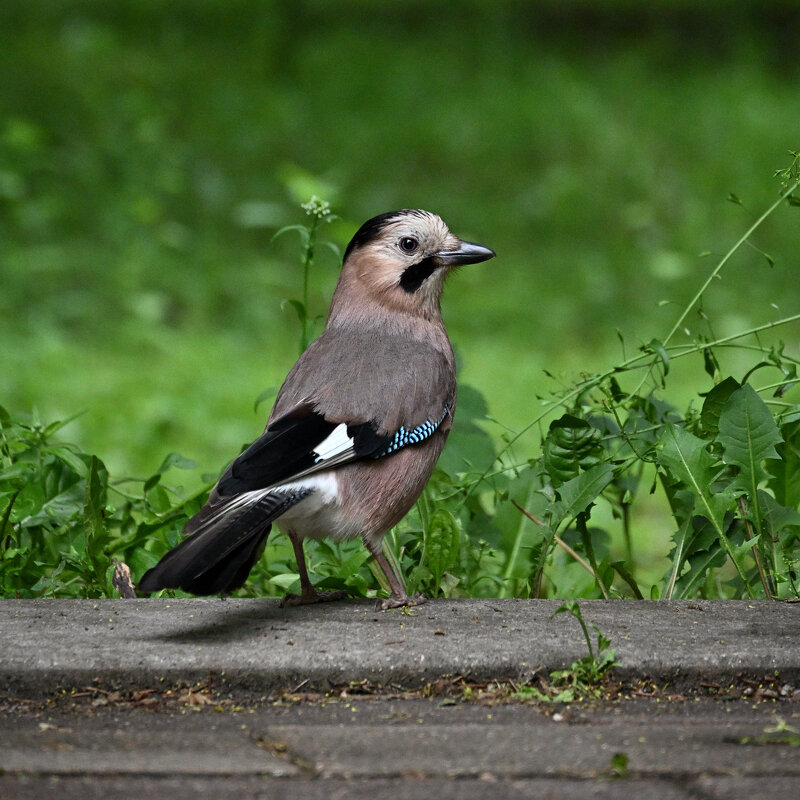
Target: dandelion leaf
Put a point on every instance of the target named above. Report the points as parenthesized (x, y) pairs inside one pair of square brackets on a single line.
[(748, 435)]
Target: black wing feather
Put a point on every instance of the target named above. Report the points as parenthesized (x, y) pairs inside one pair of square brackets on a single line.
[(284, 450)]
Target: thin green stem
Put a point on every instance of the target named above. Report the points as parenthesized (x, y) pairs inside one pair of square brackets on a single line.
[(586, 537), (744, 237), (573, 608), (697, 348), (516, 549), (778, 385), (308, 261), (765, 577)]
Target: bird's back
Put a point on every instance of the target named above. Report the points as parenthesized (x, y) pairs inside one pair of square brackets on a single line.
[(369, 376)]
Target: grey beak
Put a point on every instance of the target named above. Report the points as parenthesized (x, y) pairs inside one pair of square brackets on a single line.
[(467, 253)]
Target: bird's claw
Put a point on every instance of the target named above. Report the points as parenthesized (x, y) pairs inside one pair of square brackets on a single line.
[(314, 596), (400, 601)]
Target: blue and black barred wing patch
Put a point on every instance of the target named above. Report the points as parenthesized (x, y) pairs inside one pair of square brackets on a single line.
[(404, 437), (304, 442)]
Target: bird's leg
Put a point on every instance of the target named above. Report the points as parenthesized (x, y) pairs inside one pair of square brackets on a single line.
[(399, 596), (308, 594)]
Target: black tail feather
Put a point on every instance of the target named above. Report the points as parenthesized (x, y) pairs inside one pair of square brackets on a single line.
[(218, 556), (223, 576)]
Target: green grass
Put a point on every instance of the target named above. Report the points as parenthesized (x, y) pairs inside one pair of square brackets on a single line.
[(148, 154)]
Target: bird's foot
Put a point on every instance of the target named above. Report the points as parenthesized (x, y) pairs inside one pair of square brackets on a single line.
[(400, 601), (314, 596)]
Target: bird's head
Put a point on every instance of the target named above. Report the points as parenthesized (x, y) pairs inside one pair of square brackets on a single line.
[(400, 260)]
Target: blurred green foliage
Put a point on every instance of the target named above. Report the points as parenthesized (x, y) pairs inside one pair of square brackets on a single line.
[(150, 150)]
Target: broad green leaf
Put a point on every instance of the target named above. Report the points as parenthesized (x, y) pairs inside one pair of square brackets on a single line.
[(748, 435), (71, 459), (442, 537), (745, 547), (578, 494), (782, 535), (714, 402), (781, 520), (354, 563), (784, 480), (157, 500), (285, 580), (62, 499), (681, 504), (704, 552), (686, 457), (94, 512), (571, 445), (56, 476), (17, 476)]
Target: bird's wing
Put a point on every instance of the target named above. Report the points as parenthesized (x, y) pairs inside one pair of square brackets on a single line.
[(303, 442)]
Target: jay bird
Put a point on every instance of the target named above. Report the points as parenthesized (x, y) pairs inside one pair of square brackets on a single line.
[(357, 426)]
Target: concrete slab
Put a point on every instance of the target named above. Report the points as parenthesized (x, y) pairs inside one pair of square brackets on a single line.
[(255, 646), (400, 748), (373, 746), (135, 744), (532, 750), (730, 788), (234, 788)]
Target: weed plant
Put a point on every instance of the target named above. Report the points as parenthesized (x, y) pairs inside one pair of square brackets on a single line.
[(583, 679), (494, 520)]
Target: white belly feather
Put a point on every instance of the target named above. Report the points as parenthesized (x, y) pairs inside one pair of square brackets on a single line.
[(317, 516)]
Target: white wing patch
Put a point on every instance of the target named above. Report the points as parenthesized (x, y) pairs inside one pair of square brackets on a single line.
[(334, 446)]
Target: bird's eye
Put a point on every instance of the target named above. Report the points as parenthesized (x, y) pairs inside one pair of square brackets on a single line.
[(408, 244)]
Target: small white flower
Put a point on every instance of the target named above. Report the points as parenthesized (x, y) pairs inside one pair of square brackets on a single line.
[(321, 209)]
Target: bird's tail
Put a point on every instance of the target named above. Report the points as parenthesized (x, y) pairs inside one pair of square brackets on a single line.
[(227, 537)]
